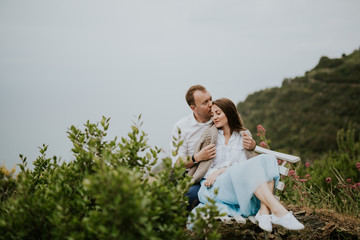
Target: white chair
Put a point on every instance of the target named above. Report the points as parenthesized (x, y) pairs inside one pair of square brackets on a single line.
[(280, 186)]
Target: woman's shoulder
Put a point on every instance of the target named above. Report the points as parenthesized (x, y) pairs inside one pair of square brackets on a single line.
[(211, 129), (209, 134)]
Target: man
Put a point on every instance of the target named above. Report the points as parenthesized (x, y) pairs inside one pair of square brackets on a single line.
[(192, 127)]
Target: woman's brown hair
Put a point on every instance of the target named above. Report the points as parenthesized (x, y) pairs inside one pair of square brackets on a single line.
[(235, 121)]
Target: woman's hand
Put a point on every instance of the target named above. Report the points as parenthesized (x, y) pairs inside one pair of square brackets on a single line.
[(212, 178)]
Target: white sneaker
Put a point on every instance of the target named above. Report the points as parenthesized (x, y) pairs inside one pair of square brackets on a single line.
[(239, 219), (225, 219), (288, 221), (264, 222)]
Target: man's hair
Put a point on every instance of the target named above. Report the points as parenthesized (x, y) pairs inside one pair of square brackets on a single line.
[(190, 93), (235, 121)]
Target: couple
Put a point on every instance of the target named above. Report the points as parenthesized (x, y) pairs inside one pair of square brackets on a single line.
[(216, 149)]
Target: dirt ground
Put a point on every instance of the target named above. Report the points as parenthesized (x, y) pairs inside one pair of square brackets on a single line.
[(319, 224)]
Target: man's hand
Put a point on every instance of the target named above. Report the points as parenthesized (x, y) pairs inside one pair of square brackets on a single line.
[(212, 178), (206, 153), (248, 142)]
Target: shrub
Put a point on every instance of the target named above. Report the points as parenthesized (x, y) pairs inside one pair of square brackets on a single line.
[(7, 184), (333, 181), (102, 194), (344, 160), (49, 202), (205, 222)]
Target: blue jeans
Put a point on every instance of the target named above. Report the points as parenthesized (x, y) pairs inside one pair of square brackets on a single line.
[(192, 195)]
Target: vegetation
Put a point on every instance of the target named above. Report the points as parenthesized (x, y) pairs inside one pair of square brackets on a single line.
[(102, 194), (105, 194), (7, 183), (332, 181), (304, 115)]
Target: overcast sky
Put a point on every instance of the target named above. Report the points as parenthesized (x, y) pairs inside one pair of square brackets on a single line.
[(65, 62)]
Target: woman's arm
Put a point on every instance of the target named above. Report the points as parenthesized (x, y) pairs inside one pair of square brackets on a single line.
[(212, 178)]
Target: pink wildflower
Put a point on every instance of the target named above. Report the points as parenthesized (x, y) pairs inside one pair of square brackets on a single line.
[(303, 180), (307, 164), (358, 166), (348, 180), (261, 130), (307, 176), (264, 145), (292, 172), (328, 179)]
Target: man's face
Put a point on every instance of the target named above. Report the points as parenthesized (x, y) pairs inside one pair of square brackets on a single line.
[(203, 101)]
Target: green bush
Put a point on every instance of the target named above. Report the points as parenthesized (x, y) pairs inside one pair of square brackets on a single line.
[(7, 184), (205, 222), (128, 208), (49, 203), (104, 193), (343, 160), (333, 181), (326, 62)]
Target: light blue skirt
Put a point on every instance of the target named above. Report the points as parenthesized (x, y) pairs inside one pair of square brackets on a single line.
[(236, 186)]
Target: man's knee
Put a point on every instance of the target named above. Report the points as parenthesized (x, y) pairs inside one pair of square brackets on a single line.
[(192, 195)]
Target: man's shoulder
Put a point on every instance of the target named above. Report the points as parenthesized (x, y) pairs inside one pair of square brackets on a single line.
[(184, 121)]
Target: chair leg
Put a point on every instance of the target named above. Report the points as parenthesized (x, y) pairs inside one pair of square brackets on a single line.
[(265, 235)]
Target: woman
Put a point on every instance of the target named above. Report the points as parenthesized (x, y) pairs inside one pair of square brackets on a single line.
[(244, 187)]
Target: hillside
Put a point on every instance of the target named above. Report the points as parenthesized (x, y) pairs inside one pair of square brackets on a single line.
[(303, 115)]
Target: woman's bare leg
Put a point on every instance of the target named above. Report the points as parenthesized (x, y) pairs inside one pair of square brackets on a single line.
[(263, 208), (266, 196), (271, 185)]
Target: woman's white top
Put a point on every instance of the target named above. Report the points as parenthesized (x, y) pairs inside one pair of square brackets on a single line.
[(227, 155)]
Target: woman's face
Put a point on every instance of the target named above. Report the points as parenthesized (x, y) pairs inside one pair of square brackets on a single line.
[(219, 117)]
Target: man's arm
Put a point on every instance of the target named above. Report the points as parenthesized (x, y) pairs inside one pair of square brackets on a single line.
[(206, 153), (182, 155), (182, 150)]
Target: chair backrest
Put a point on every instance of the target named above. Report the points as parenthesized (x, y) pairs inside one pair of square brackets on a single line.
[(281, 156)]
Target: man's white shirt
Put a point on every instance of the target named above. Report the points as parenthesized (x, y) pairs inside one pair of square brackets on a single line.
[(191, 131)]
